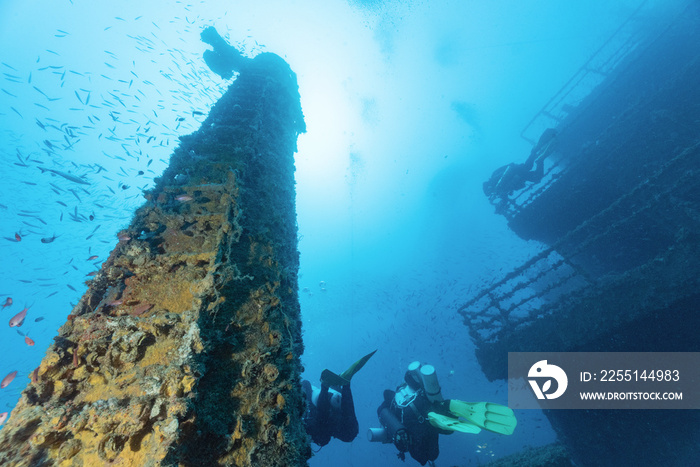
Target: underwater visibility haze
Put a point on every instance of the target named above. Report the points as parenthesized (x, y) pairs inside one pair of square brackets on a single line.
[(409, 107)]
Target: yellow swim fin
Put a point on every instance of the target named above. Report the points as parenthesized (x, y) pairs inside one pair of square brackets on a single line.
[(489, 416), (355, 367), (452, 424)]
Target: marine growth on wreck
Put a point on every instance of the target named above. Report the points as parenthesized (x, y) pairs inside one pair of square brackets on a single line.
[(185, 348)]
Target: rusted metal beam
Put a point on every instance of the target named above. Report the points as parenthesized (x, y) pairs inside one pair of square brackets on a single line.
[(185, 348)]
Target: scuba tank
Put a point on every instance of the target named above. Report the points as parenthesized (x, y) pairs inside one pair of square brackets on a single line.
[(392, 431), (412, 376), (430, 383), (391, 427), (419, 376), (378, 435)]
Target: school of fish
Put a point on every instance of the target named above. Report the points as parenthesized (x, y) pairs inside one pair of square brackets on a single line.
[(81, 144)]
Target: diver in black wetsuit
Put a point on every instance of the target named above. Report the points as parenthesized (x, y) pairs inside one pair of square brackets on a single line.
[(224, 59), (266, 68), (415, 415), (414, 435), (513, 177), (330, 410), (329, 413)]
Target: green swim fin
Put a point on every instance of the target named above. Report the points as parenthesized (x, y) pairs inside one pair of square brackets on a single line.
[(355, 367), (330, 379), (493, 417), (452, 424)]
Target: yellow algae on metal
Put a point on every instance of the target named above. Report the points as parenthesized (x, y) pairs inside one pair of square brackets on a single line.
[(185, 348)]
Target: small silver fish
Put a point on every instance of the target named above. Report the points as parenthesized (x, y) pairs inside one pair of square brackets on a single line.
[(65, 175)]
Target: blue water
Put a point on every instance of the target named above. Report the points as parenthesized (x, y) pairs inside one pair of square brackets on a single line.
[(409, 107)]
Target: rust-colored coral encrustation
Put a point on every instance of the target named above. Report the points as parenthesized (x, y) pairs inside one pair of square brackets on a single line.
[(185, 348)]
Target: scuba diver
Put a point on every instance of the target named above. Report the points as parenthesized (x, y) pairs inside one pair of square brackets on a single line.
[(330, 410), (413, 416), (513, 177), (224, 59)]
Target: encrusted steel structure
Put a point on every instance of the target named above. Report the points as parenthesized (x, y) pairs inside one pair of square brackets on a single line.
[(616, 207), (185, 350)]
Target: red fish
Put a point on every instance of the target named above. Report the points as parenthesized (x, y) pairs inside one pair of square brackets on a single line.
[(18, 237), (92, 257), (3, 417), (141, 309), (8, 302), (28, 341), (7, 379), (18, 319)]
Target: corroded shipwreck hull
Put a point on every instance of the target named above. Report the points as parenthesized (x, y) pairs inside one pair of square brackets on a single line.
[(185, 349), (619, 213)]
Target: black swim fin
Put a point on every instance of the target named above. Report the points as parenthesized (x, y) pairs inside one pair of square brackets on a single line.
[(330, 379)]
